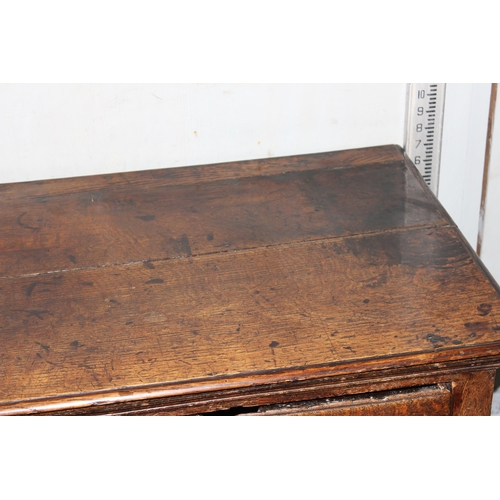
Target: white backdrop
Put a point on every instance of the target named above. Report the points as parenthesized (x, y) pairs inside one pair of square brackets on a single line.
[(465, 129), (63, 130), (490, 253)]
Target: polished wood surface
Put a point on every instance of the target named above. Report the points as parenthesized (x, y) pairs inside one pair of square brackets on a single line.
[(149, 222), (157, 285)]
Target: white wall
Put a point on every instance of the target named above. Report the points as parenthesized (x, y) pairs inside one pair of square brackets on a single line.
[(490, 253), (462, 155), (65, 130)]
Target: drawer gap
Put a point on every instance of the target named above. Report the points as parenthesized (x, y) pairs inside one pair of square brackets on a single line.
[(374, 398)]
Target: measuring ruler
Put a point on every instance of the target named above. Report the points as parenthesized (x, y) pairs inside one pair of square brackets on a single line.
[(424, 129)]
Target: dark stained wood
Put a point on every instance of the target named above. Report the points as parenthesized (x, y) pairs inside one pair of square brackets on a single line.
[(203, 173), (411, 167), (183, 293), (473, 392), (422, 401), (152, 223)]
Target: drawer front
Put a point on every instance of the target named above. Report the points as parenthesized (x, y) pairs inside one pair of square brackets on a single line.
[(429, 400)]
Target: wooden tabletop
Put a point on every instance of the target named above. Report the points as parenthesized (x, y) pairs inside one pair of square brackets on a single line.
[(156, 283)]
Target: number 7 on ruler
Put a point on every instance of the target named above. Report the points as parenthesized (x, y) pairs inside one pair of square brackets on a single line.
[(424, 126)]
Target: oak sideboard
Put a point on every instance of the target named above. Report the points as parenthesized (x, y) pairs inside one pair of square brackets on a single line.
[(321, 284)]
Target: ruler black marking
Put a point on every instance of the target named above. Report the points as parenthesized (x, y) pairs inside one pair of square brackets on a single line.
[(424, 127)]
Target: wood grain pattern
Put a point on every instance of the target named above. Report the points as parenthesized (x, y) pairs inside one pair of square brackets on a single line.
[(473, 392), (151, 223), (202, 173), (300, 305), (148, 287)]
